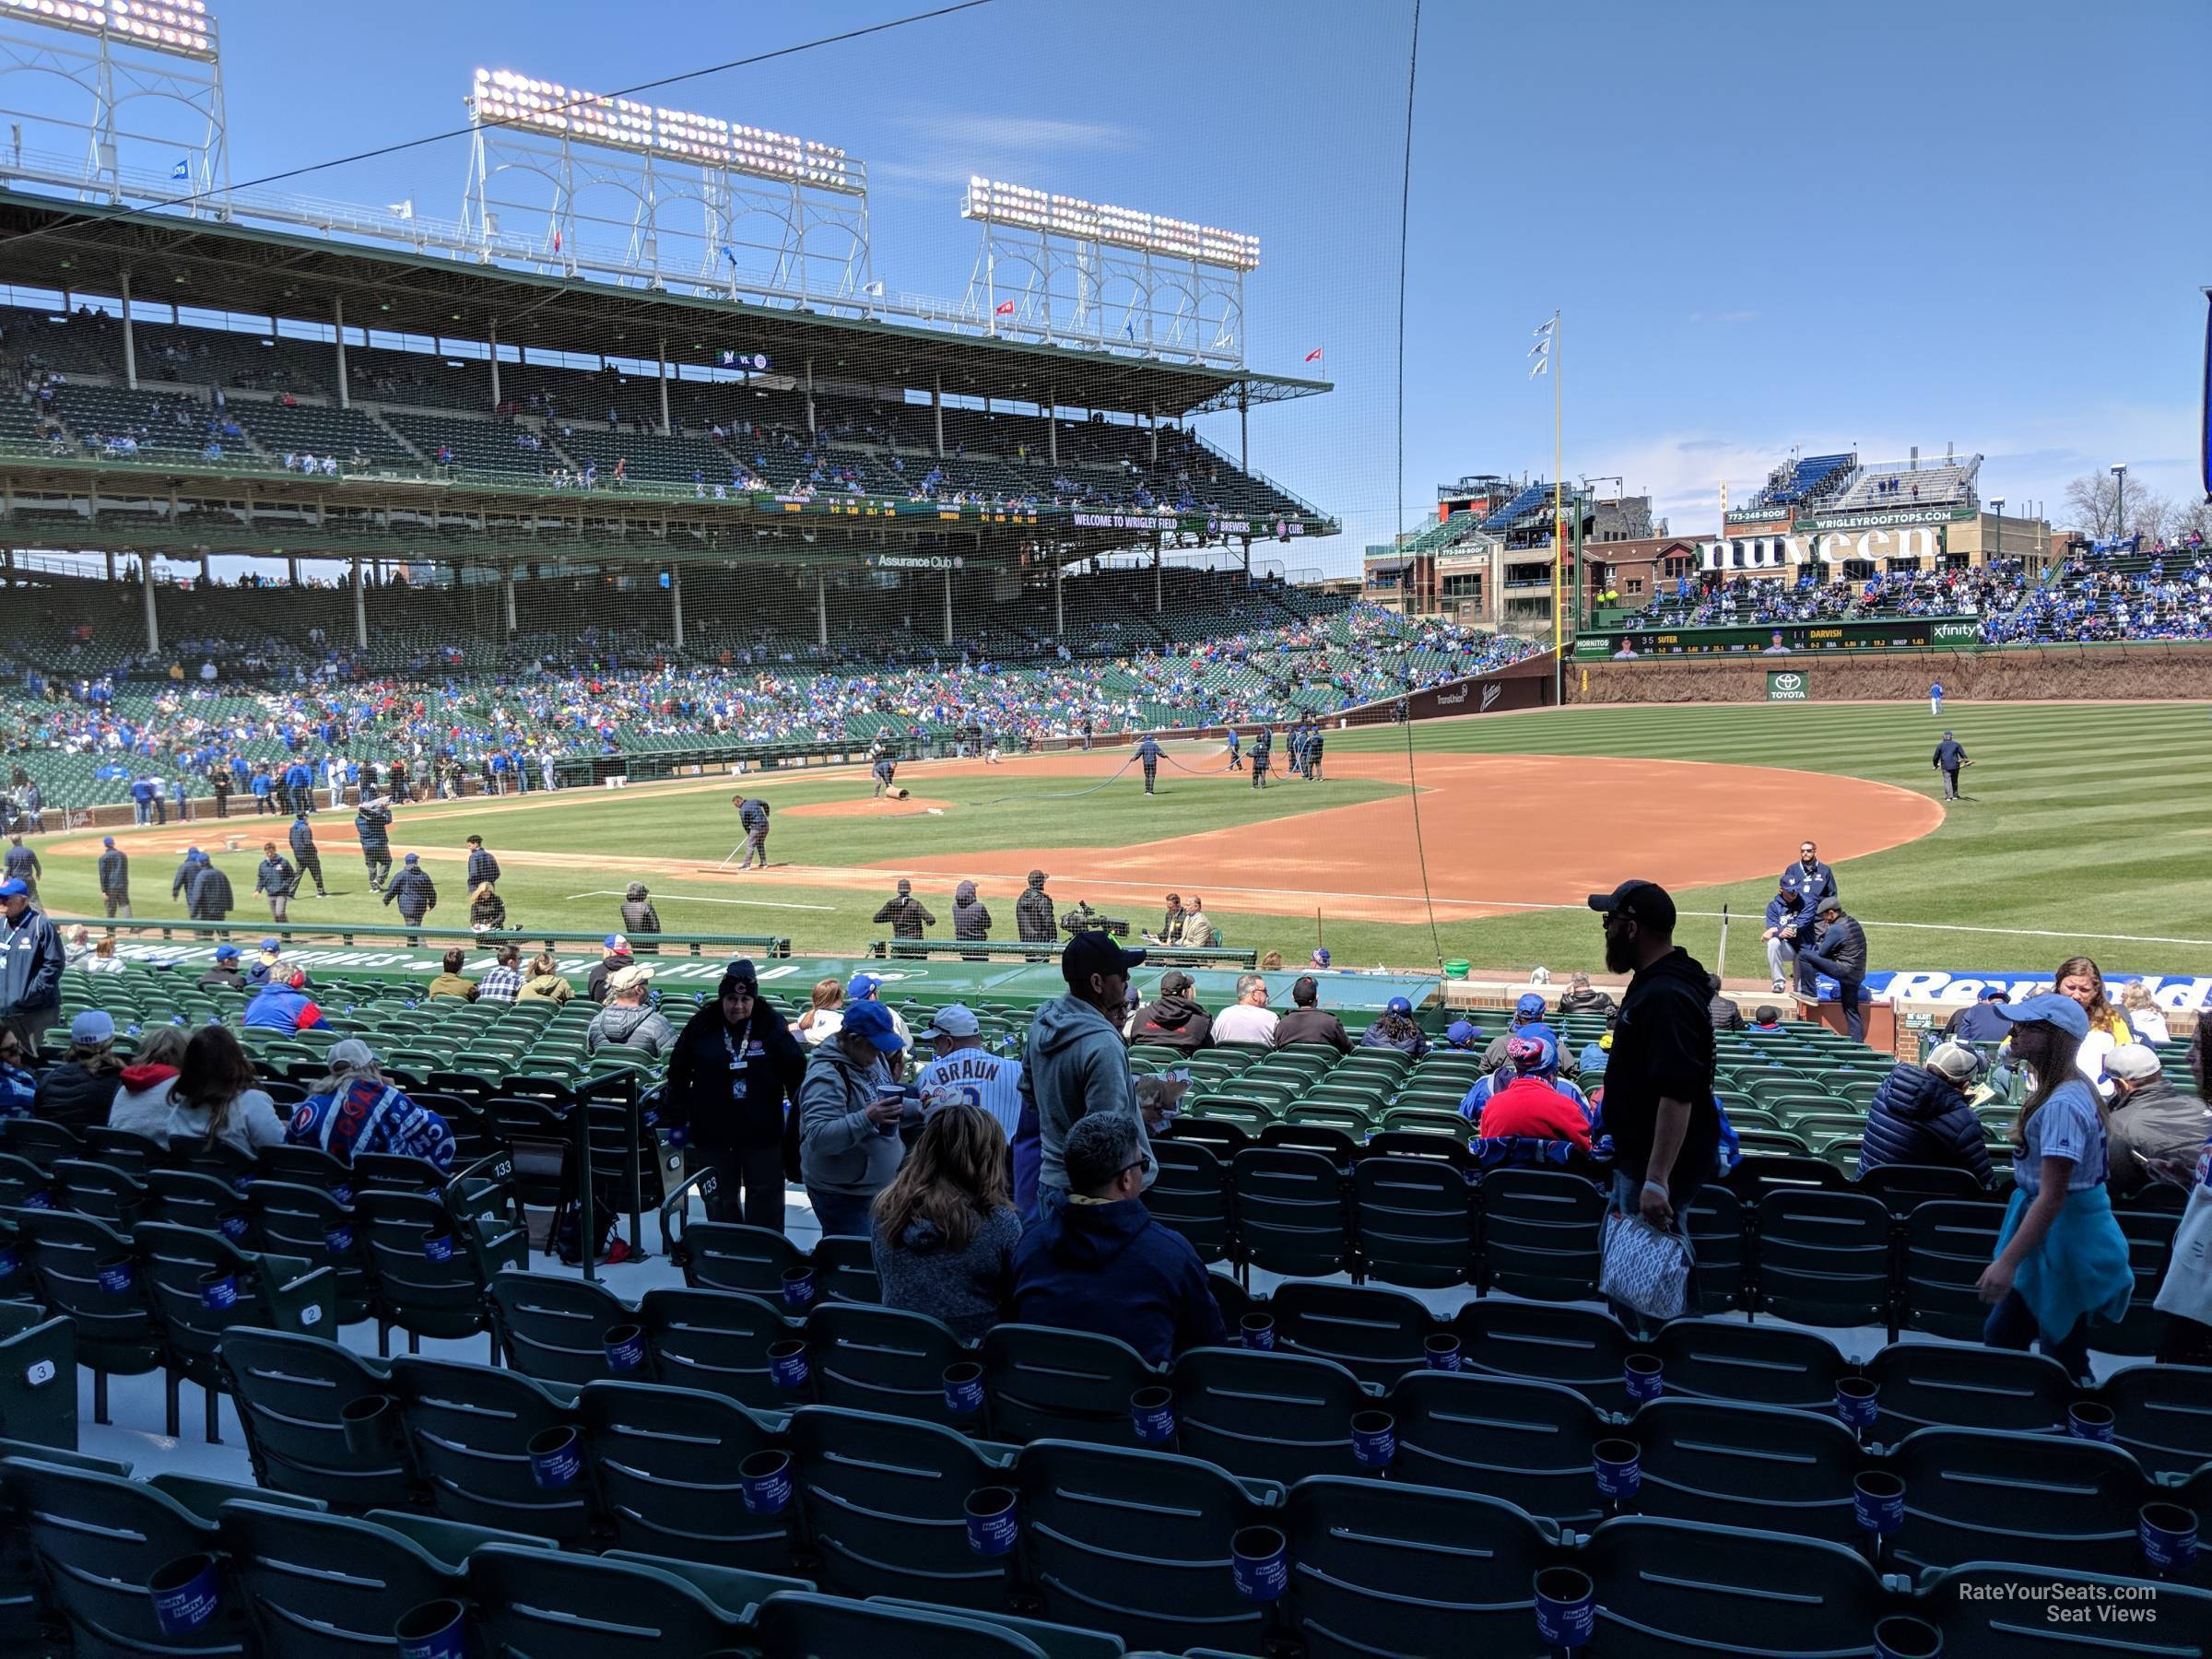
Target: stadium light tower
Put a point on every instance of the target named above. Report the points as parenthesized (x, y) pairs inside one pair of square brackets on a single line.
[(2119, 501), (1064, 270), (125, 62), (714, 205)]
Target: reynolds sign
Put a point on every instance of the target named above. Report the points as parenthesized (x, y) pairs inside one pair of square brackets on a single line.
[(2173, 993), (1786, 552)]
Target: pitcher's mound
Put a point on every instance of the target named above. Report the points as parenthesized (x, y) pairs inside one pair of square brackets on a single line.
[(869, 806)]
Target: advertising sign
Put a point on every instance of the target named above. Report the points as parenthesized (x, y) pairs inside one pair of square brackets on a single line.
[(1787, 684)]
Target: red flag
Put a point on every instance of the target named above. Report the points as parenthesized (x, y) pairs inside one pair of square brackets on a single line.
[(1314, 356), (556, 242), (1006, 308)]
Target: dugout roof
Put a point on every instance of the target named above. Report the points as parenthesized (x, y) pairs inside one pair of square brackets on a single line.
[(86, 247)]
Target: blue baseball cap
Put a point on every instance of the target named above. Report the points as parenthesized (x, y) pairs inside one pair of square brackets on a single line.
[(1320, 956), (860, 986), (91, 1028), (1530, 1007), (412, 858), (107, 840), (873, 1020), (225, 953), (13, 890), (270, 944), (1461, 1034), (2050, 1008), (1397, 1004)]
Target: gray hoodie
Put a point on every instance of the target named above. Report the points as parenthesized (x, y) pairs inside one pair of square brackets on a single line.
[(1075, 1064), (840, 1150)]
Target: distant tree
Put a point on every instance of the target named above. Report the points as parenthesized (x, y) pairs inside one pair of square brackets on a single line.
[(2096, 501)]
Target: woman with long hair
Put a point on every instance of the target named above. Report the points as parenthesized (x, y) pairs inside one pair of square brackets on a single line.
[(825, 1012), (2061, 1258), (545, 981), (143, 1091), (943, 1233), (215, 1099), (2144, 1017), (2079, 978)]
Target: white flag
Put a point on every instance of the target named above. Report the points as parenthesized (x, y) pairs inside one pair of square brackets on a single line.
[(404, 210), (1549, 324), (1540, 349), (1542, 364), (874, 290)]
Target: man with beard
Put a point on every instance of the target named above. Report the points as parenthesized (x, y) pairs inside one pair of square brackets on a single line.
[(1659, 1105), (1174, 1020)]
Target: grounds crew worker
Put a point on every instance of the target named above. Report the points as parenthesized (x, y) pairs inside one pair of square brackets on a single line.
[(1262, 755), (305, 850), (207, 896), (1949, 757), (1148, 751), (21, 863), (482, 866), (114, 878), (752, 813), (415, 893), (906, 913), (276, 880), (373, 823), (179, 884)]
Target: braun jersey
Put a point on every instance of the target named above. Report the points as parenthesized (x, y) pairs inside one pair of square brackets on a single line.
[(973, 1077)]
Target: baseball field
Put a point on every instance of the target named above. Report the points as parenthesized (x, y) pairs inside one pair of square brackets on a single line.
[(2082, 828)]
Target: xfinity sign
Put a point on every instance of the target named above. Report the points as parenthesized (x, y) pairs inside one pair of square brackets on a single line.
[(1835, 546)]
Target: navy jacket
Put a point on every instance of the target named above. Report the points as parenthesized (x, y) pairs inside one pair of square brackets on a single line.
[(414, 892), (32, 960), (115, 873), (1810, 884), (275, 877), (1781, 913), (1843, 942), (1917, 1118), (373, 827), (1111, 1269), (1950, 756), (208, 898), (302, 838), (482, 867)]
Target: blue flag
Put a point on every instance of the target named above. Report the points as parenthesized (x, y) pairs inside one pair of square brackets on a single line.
[(729, 253), (183, 170)]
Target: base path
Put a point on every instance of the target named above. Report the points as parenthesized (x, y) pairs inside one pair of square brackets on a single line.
[(1500, 832)]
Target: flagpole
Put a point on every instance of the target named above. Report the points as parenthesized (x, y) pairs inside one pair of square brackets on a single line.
[(1558, 529)]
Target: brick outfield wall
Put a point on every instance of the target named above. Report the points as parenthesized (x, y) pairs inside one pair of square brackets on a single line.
[(2149, 671)]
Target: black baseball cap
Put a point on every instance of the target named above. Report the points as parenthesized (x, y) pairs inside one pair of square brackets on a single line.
[(1646, 902), (1090, 953)]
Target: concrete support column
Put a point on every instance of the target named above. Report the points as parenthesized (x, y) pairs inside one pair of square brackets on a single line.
[(660, 367), (507, 597), (153, 621), (130, 342), (1152, 421), (206, 571), (948, 607), (337, 317), (676, 603), (821, 607), (110, 563), (494, 332), (1059, 603), (1051, 426), (936, 409), (360, 607), (1156, 604), (809, 397), (292, 572)]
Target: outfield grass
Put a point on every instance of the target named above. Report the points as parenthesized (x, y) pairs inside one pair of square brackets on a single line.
[(2081, 820)]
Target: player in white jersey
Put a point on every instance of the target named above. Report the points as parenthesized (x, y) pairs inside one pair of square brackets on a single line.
[(966, 1073)]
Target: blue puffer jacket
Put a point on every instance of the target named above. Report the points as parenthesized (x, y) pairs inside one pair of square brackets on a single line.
[(1917, 1118)]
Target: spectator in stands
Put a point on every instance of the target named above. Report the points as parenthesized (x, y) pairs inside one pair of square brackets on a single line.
[(639, 916), (1581, 997), (143, 1089), (733, 1077), (944, 1232), (1075, 1064), (1659, 1102), (1170, 922), (614, 955), (1842, 955), (114, 878), (2080, 979), (77, 945), (78, 1092), (282, 1005), (416, 894), (1921, 1115), (1174, 1019), (486, 910), (1528, 1009), (850, 1108), (224, 974), (482, 866), (353, 1111), (825, 1012), (907, 914), (2143, 1015), (970, 916), (265, 963), (1395, 1028), (1721, 1010), (104, 959), (452, 982), (215, 1100), (964, 1072), (503, 981), (1099, 1262), (32, 958), (1035, 916), (1462, 1037), (1308, 1021), (1784, 913), (2061, 1258), (1982, 1022), (628, 1020), (1529, 1118), (1766, 1018), (275, 879), (545, 981), (18, 1083), (2151, 1121), (1249, 1018)]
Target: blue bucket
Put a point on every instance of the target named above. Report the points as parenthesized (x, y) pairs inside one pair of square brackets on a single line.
[(1644, 1377), (787, 1364), (1858, 1403), (219, 1290), (1152, 1414), (1877, 1501), (994, 1521), (187, 1593), (437, 1245), (2168, 1533), (556, 1459), (437, 1630), (1259, 1562), (1900, 1636), (1619, 1468), (799, 1288), (1441, 1352), (1566, 1604), (1256, 1331), (2088, 1420), (233, 1228), (117, 1275), (338, 1241), (1374, 1439), (964, 1388), (764, 1480), (625, 1349)]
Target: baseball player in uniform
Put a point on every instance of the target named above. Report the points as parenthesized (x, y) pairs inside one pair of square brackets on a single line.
[(1949, 757), (1148, 751), (965, 1072), (1935, 701)]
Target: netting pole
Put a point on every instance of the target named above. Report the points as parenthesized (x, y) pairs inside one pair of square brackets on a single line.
[(1059, 603), (360, 607), (821, 607), (493, 330), (1157, 605), (660, 365), (1152, 421), (11, 557), (153, 621), (675, 604), (130, 346), (507, 595), (337, 319), (1052, 426), (809, 397), (936, 409), (947, 574)]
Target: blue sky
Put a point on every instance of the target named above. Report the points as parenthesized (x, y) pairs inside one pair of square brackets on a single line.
[(1881, 225)]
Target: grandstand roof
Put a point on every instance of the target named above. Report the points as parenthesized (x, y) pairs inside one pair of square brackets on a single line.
[(85, 247)]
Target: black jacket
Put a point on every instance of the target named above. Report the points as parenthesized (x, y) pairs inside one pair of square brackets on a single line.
[(275, 877), (74, 1098), (907, 915), (302, 838), (1312, 1025), (594, 983), (115, 874), (1843, 942), (1176, 1022), (412, 891), (482, 867), (1917, 1118), (970, 916), (208, 898), (1033, 917), (1590, 1000), (1724, 1013), (700, 1079), (1662, 1048)]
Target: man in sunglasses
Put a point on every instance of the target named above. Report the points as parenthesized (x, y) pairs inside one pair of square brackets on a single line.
[(1809, 878)]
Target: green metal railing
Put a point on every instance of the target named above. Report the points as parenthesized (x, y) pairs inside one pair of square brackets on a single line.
[(429, 934), (1001, 950)]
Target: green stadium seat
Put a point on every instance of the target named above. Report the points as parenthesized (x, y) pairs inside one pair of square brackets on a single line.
[(667, 1465), (1273, 1416)]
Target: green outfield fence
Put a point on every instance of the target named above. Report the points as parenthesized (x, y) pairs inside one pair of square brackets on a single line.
[(429, 933)]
